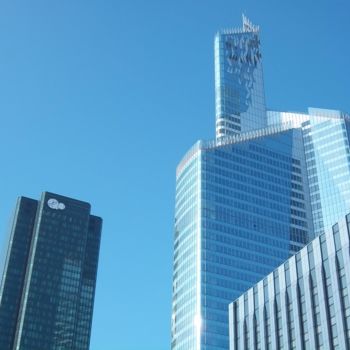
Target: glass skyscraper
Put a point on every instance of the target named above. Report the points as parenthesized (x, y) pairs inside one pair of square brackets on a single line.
[(303, 304), (48, 285), (251, 198), (242, 200)]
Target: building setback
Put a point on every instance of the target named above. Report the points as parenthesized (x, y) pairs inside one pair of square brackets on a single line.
[(48, 285), (246, 201), (242, 200), (303, 304)]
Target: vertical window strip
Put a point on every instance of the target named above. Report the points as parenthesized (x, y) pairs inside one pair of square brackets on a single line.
[(289, 308), (246, 323), (290, 320), (327, 285), (278, 322), (246, 335), (316, 310), (348, 223), (302, 311), (236, 326), (256, 319), (267, 327), (302, 303), (256, 333), (315, 299), (344, 296), (277, 311)]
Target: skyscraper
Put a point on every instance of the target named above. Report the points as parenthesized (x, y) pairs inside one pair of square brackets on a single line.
[(48, 285), (303, 304), (242, 201), (249, 199)]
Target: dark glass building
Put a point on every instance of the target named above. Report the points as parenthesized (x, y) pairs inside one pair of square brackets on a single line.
[(48, 285)]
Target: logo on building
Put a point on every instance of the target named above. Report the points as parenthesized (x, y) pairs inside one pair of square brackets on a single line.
[(55, 204)]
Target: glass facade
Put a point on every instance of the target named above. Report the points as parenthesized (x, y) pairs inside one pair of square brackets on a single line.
[(239, 84), (187, 240), (307, 298), (11, 287), (48, 285), (248, 200), (241, 210), (327, 152)]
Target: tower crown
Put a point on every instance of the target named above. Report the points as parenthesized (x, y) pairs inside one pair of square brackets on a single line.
[(239, 86), (247, 27)]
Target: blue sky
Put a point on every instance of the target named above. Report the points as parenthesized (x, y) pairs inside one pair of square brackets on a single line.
[(99, 100)]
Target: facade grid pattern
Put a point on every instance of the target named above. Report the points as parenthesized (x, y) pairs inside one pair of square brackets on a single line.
[(48, 286), (305, 302), (245, 202), (233, 229)]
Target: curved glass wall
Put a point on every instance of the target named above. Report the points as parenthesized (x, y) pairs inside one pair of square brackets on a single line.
[(186, 300), (241, 210)]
